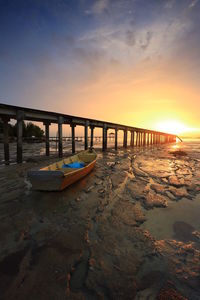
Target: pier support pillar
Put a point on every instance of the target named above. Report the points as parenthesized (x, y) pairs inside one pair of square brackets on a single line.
[(125, 138), (148, 139), (73, 137), (116, 138), (86, 135), (132, 139), (144, 138), (137, 138), (47, 124), (60, 144), (20, 117), (151, 138), (6, 139), (92, 136), (104, 142)]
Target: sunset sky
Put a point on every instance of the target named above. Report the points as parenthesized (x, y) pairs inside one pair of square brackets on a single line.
[(135, 62)]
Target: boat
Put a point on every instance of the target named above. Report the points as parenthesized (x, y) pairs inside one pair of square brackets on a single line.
[(63, 173)]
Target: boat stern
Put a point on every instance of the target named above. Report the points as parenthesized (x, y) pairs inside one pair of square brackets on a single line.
[(46, 180)]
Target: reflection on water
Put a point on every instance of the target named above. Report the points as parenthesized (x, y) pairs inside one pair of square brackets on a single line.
[(162, 223)]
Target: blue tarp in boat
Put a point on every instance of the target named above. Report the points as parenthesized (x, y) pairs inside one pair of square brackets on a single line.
[(74, 165)]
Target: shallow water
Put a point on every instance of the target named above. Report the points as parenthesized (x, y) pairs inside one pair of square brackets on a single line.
[(160, 221), (38, 149)]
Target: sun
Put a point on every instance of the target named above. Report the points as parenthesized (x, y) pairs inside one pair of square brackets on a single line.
[(171, 126)]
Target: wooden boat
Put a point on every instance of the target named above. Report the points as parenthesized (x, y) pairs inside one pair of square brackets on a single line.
[(56, 177)]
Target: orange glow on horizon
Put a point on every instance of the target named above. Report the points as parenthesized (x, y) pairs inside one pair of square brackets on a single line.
[(172, 126)]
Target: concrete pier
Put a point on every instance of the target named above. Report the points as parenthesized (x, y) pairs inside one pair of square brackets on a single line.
[(104, 140), (47, 124), (73, 137), (19, 117), (86, 136), (6, 139), (125, 138), (116, 132), (92, 136), (132, 139), (139, 136), (60, 145)]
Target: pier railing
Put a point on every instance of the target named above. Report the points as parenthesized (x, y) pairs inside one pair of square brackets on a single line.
[(139, 136)]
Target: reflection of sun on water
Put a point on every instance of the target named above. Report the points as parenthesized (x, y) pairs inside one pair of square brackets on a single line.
[(177, 146), (174, 127)]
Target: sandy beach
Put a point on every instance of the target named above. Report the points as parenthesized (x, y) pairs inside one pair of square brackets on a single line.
[(129, 230)]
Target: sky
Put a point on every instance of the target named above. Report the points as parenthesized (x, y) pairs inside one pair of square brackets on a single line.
[(134, 62)]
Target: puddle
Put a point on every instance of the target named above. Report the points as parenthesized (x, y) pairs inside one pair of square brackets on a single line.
[(177, 221)]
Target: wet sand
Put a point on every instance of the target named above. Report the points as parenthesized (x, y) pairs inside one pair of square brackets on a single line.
[(129, 230)]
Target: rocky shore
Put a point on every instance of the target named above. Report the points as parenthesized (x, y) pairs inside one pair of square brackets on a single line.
[(90, 241)]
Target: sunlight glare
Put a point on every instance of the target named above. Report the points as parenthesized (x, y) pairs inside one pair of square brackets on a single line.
[(174, 127)]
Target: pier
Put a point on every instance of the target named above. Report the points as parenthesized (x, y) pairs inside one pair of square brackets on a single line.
[(138, 136)]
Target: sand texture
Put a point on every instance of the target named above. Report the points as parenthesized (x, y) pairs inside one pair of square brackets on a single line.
[(126, 231)]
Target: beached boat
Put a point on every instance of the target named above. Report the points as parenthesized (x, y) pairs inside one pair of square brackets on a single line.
[(61, 174)]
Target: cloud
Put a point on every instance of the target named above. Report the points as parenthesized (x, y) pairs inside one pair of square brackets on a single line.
[(146, 41), (98, 7), (169, 4), (193, 3), (130, 38)]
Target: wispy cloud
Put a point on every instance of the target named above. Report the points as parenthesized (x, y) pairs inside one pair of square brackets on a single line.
[(193, 3), (169, 4), (98, 7), (147, 39)]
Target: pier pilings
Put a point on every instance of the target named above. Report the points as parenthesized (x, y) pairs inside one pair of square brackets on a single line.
[(138, 136), (6, 139), (116, 136), (91, 136), (60, 144), (47, 124), (20, 118), (104, 140), (125, 138), (73, 137), (86, 135)]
